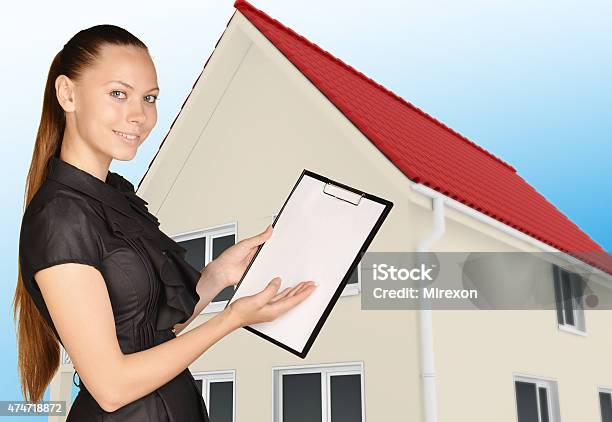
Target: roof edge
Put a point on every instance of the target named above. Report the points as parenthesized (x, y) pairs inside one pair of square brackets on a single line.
[(245, 5), (183, 105)]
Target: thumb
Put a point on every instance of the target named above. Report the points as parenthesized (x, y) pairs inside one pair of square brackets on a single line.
[(266, 233), (260, 238), (270, 290)]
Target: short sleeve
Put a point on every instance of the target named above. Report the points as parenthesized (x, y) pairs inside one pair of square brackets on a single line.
[(60, 231)]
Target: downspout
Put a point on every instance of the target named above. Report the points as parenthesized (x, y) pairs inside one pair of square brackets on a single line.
[(428, 372), (425, 316)]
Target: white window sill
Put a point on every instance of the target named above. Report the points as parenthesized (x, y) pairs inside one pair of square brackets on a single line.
[(349, 290), (571, 329), (214, 307)]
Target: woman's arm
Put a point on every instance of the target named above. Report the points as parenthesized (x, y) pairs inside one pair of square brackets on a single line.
[(79, 305), (142, 373), (207, 289)]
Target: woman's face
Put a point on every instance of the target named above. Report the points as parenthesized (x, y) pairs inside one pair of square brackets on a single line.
[(115, 102)]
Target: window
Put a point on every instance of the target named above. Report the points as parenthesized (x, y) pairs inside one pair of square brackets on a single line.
[(353, 285), (204, 246), (219, 393), (605, 403), (74, 388), (325, 393), (536, 400), (569, 288)]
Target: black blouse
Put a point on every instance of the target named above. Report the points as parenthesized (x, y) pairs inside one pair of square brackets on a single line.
[(75, 217)]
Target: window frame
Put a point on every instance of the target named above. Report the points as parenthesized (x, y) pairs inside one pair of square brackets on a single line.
[(579, 326), (552, 391), (327, 370), (209, 234), (217, 376), (606, 391)]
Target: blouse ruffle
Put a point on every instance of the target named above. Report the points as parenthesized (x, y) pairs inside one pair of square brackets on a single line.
[(178, 278)]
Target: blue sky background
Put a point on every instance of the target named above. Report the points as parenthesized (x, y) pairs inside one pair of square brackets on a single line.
[(529, 81)]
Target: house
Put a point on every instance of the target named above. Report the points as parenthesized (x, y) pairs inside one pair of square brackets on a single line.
[(270, 103)]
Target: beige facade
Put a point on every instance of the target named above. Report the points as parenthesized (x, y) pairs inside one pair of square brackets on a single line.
[(250, 126)]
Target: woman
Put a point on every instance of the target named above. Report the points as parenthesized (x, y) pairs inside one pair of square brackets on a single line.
[(95, 272)]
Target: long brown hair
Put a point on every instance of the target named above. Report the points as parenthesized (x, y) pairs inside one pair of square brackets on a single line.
[(38, 348)]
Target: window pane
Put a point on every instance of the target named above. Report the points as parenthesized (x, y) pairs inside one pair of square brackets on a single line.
[(543, 404), (219, 245), (224, 294), (353, 279), (346, 398), (526, 401), (221, 401), (199, 385), (222, 243), (567, 298), (578, 286), (558, 295), (605, 402), (302, 398), (196, 251)]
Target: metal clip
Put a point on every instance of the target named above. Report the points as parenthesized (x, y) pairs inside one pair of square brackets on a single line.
[(361, 195)]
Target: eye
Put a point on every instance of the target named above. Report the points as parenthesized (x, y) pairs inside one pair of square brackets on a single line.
[(155, 99), (112, 92)]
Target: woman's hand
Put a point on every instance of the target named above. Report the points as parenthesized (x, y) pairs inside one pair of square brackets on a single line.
[(267, 305), (227, 269)]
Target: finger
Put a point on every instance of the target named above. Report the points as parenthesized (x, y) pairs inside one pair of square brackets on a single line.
[(287, 303), (270, 291), (260, 238), (289, 291), (265, 235), (281, 295), (298, 288)]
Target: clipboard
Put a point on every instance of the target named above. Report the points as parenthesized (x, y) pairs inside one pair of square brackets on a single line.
[(321, 233)]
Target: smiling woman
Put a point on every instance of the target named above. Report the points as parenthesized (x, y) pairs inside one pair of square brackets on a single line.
[(114, 96), (96, 274)]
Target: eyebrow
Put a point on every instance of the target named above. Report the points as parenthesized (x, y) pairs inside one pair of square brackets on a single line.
[(130, 86)]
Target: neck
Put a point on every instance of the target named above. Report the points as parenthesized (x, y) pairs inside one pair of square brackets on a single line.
[(85, 158)]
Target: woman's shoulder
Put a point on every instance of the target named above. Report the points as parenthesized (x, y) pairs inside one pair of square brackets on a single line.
[(58, 226), (53, 200), (58, 216)]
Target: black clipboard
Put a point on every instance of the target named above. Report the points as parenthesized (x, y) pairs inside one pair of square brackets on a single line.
[(373, 213)]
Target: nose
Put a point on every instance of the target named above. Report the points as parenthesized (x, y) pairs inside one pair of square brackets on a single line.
[(136, 113)]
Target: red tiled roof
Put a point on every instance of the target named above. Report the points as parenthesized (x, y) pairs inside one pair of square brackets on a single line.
[(426, 150)]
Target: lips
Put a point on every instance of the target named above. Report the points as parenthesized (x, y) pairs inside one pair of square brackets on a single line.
[(129, 138)]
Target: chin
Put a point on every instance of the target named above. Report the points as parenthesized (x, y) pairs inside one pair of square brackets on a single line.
[(125, 152), (124, 155)]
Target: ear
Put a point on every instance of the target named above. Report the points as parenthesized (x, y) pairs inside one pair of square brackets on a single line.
[(64, 90)]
